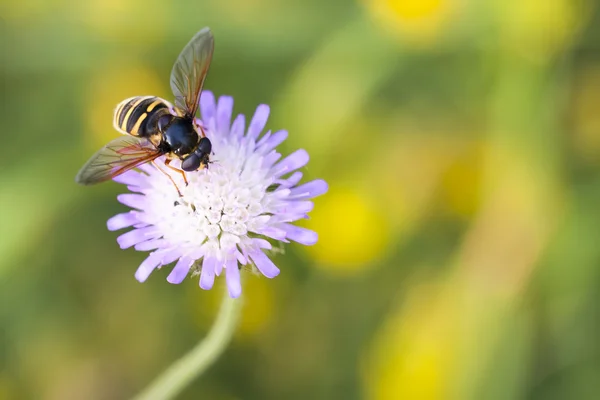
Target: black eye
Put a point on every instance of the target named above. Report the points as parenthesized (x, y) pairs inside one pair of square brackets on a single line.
[(191, 163), (204, 146), (163, 122)]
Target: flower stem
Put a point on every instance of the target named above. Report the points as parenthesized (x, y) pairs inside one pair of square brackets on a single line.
[(189, 367)]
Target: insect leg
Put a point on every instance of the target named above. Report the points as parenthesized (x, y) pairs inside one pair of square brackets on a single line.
[(168, 176), (201, 128), (168, 161)]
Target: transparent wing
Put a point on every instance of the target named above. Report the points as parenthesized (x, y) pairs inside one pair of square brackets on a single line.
[(189, 71), (118, 156)]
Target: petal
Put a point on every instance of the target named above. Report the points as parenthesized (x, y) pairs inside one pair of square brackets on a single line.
[(121, 221), (289, 217), (224, 110), (168, 256), (136, 236), (292, 180), (132, 200), (270, 159), (233, 278), (275, 140), (259, 120), (297, 159), (240, 257), (146, 267), (218, 268), (207, 275), (301, 235), (150, 168), (261, 243), (207, 106), (264, 264), (274, 233), (150, 245), (237, 128), (180, 270), (310, 189), (131, 177), (263, 139), (295, 207)]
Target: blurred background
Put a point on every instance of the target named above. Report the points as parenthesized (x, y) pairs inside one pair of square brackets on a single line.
[(459, 251)]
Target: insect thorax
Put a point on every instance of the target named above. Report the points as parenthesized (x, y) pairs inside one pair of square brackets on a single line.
[(180, 136)]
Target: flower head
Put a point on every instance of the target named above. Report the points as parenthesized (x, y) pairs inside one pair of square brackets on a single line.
[(229, 214)]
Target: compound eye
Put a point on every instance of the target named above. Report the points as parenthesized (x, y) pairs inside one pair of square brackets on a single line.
[(205, 146), (191, 163), (163, 122)]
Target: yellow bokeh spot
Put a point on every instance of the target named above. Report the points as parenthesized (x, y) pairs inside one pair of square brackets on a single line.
[(413, 354), (136, 22), (108, 87), (461, 182), (352, 231), (258, 298), (417, 21), (414, 9), (539, 28)]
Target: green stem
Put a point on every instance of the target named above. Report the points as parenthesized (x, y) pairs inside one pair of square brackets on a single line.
[(193, 364)]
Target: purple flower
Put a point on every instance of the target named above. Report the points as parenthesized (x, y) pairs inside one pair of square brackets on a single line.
[(230, 214)]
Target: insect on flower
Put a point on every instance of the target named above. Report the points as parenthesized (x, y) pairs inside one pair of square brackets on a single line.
[(154, 127), (206, 221)]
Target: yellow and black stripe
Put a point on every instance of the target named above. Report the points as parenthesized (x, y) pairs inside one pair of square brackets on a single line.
[(132, 114)]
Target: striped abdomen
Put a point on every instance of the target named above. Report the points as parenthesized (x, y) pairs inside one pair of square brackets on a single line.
[(137, 115)]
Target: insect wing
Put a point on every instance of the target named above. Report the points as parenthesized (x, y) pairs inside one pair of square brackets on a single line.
[(189, 71), (118, 156)]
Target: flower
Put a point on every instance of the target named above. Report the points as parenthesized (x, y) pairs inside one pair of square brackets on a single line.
[(230, 214)]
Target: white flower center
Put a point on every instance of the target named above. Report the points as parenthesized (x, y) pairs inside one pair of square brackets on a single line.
[(219, 206)]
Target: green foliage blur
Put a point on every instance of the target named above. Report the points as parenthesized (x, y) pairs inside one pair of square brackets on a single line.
[(459, 252)]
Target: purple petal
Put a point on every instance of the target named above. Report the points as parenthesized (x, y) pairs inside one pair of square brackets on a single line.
[(274, 233), (136, 236), (292, 180), (232, 273), (295, 207), (146, 267), (261, 243), (301, 235), (272, 142), (309, 190), (237, 128), (150, 245), (132, 200), (150, 168), (121, 221), (207, 106), (131, 177), (168, 256), (180, 270), (264, 264), (289, 217), (263, 139), (218, 267), (297, 159), (241, 258), (224, 110), (259, 120), (207, 275), (270, 159), (281, 194)]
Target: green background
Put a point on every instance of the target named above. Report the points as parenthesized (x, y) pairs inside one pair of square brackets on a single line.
[(459, 251)]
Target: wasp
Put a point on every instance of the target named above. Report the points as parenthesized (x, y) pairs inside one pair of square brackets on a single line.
[(153, 127)]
